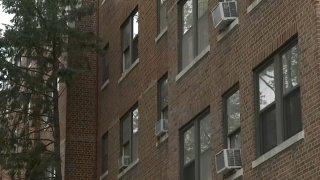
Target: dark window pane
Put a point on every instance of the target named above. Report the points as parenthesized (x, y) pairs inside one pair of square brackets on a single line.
[(187, 48), (290, 69), (292, 113), (104, 154), (189, 171), (205, 133), (235, 141), (126, 149), (126, 129), (233, 112), (203, 37), (269, 129), (126, 36), (164, 93), (267, 86), (206, 165), (135, 49), (127, 59), (135, 147), (162, 16), (189, 145)]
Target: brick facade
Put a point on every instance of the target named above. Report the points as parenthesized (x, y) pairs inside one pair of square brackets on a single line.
[(231, 60)]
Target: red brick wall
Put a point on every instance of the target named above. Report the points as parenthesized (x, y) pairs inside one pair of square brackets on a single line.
[(78, 111), (231, 60)]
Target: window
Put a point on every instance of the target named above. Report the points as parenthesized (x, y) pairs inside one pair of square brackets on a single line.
[(104, 153), (232, 119), (162, 15), (194, 31), (105, 65), (163, 97), (130, 31), (196, 148), (278, 98), (129, 134)]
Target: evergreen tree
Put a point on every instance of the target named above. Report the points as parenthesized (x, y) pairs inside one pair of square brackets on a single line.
[(42, 48)]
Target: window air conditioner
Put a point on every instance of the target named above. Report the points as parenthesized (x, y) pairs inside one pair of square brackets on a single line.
[(224, 14), (124, 162), (161, 127), (227, 160)]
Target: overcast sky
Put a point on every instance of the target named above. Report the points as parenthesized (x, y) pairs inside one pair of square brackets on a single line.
[(4, 18)]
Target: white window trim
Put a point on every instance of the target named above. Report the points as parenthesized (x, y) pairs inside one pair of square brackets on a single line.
[(253, 5), (276, 150), (125, 73), (104, 85), (237, 174), (161, 34), (133, 164), (193, 63), (230, 28), (105, 174)]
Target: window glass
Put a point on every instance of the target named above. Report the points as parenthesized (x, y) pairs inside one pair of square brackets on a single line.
[(135, 25), (187, 16), (189, 171), (235, 141), (135, 119), (189, 145), (267, 86), (126, 35), (164, 93), (233, 112), (203, 37), (206, 165), (104, 153), (292, 113), (269, 129), (205, 134), (202, 7), (126, 149), (290, 69), (162, 15), (126, 129)]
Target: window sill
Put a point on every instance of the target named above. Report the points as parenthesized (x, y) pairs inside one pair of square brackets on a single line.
[(230, 28), (162, 139), (133, 164), (104, 85), (125, 74), (104, 175), (253, 5), (102, 3), (237, 174), (276, 150), (193, 63), (161, 34)]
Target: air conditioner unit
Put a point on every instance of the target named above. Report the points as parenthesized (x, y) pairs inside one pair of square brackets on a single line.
[(124, 162), (161, 127), (227, 160), (224, 14)]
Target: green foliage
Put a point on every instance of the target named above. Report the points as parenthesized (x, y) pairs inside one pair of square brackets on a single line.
[(41, 47)]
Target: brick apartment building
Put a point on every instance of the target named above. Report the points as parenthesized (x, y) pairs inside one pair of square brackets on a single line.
[(168, 60), (249, 83)]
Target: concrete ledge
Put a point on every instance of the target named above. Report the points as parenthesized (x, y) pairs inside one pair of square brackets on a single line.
[(133, 164), (237, 174), (102, 3), (105, 174), (193, 62), (104, 85), (253, 5), (276, 150), (162, 139), (125, 74), (230, 28), (161, 34)]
